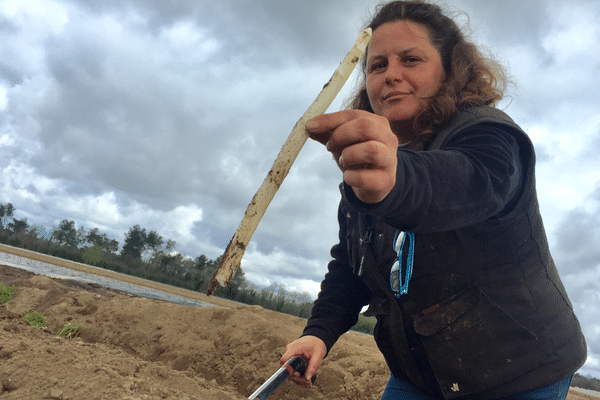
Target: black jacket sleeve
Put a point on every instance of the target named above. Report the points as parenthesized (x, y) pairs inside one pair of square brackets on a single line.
[(472, 178)]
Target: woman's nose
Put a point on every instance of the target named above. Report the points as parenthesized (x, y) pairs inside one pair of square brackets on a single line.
[(394, 73)]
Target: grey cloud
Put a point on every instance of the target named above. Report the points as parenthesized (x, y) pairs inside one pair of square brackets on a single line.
[(542, 154), (591, 154), (119, 126), (508, 21), (7, 25), (596, 193), (10, 75), (577, 257), (269, 30), (577, 238)]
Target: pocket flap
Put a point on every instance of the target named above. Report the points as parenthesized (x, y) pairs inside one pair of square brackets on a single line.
[(432, 320)]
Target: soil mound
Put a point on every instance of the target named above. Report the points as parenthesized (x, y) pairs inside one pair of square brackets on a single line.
[(136, 348)]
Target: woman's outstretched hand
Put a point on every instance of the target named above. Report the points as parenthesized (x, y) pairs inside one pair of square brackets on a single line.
[(313, 349), (364, 148)]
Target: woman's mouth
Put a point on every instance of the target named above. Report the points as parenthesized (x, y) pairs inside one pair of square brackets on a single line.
[(395, 95)]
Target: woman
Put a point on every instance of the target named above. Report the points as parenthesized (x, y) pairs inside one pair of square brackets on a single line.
[(440, 231)]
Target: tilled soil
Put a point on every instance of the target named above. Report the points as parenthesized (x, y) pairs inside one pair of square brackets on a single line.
[(136, 348)]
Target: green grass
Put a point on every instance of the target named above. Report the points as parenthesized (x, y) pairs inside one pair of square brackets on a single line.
[(36, 319), (6, 293), (365, 324), (70, 330)]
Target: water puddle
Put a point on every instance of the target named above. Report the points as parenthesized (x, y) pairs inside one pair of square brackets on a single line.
[(53, 271)]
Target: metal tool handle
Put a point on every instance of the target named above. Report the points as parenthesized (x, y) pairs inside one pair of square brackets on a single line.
[(297, 363)]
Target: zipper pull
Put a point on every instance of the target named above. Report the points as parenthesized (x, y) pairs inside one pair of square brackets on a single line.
[(360, 267), (368, 235), (365, 240)]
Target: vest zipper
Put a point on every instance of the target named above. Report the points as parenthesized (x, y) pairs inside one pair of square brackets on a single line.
[(368, 220)]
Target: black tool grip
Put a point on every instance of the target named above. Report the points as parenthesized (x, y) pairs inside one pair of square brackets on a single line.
[(297, 363)]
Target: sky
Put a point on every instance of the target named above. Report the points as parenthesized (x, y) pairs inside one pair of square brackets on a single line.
[(169, 114)]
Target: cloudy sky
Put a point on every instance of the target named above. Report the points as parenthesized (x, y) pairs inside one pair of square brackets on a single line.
[(169, 114)]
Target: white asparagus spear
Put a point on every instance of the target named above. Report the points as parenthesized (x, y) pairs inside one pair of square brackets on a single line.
[(234, 252)]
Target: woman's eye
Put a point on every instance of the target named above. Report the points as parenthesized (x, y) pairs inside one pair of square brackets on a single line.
[(412, 60), (377, 66)]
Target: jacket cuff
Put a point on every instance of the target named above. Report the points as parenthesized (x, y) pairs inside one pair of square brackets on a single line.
[(368, 208)]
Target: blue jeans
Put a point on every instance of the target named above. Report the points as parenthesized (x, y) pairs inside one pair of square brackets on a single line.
[(397, 389)]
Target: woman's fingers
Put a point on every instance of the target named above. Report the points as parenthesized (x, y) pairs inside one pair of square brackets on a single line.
[(344, 128), (364, 147), (328, 122), (366, 155), (313, 349)]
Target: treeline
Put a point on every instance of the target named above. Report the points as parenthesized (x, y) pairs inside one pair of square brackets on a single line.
[(147, 255), (586, 382)]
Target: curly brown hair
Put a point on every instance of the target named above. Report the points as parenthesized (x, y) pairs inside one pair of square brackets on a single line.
[(471, 79)]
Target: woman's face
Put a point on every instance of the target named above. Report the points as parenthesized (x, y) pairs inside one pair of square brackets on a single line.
[(404, 70)]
